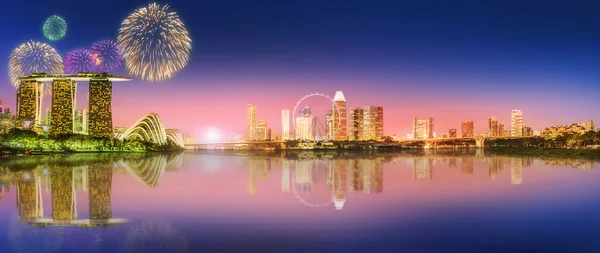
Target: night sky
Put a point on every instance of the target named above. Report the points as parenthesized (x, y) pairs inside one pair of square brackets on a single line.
[(451, 60)]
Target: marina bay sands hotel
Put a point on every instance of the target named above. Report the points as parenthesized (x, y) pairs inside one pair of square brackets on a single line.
[(64, 89)]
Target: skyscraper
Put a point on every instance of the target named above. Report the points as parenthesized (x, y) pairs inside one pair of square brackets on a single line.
[(100, 105), (452, 133), (28, 97), (63, 100), (419, 128), (260, 132), (430, 132), (527, 131), (493, 129), (339, 118), (329, 124), (80, 124), (285, 124), (467, 129), (304, 123), (250, 121), (356, 124), (516, 123), (373, 122), (501, 130)]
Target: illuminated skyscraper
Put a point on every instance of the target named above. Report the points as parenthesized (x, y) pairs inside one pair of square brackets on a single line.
[(430, 132), (373, 122), (250, 121), (501, 130), (100, 105), (527, 131), (516, 123), (304, 123), (356, 124), (260, 132), (339, 105), (452, 133), (63, 102), (467, 129), (285, 124), (493, 129), (329, 124), (419, 128), (28, 101)]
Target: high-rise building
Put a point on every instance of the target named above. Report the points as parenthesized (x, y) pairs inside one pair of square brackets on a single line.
[(28, 101), (304, 123), (250, 121), (272, 135), (467, 129), (285, 124), (527, 131), (48, 116), (260, 132), (63, 100), (80, 124), (501, 130), (419, 128), (493, 129), (100, 105), (329, 124), (430, 132), (339, 117), (452, 133), (516, 123), (356, 124), (373, 122)]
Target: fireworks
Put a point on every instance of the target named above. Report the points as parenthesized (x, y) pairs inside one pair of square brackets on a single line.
[(155, 43), (107, 55), (79, 60), (54, 28), (33, 57)]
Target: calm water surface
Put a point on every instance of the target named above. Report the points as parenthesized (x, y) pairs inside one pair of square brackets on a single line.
[(423, 201)]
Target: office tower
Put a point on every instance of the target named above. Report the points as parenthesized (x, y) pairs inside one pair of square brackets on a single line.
[(272, 135), (28, 101), (373, 123), (80, 124), (356, 124), (100, 184), (304, 123), (467, 129), (100, 108), (452, 133), (63, 194), (516, 123), (430, 132), (329, 124), (339, 118), (260, 132), (501, 130), (250, 121), (285, 124), (63, 100), (527, 131), (419, 128), (493, 127)]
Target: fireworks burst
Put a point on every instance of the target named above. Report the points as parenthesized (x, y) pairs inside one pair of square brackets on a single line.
[(155, 43), (79, 60), (107, 55), (54, 28), (33, 57)]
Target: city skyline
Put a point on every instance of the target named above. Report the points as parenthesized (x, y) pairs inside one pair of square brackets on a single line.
[(425, 72)]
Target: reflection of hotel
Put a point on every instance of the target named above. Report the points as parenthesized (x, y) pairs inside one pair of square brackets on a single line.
[(339, 183), (467, 165), (422, 168), (516, 172)]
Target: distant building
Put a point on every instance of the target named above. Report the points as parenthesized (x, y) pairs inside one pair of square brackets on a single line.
[(272, 135), (304, 124), (356, 124), (250, 121), (452, 133), (430, 132), (373, 123), (100, 105), (501, 130), (340, 131), (260, 132), (575, 128), (419, 129), (330, 125), (63, 102), (527, 131), (80, 122), (445, 135), (285, 124), (493, 128), (467, 129), (516, 123)]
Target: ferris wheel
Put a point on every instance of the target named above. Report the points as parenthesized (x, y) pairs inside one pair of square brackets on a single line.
[(316, 124)]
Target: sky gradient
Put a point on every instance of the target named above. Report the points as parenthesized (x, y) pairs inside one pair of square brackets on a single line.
[(451, 60)]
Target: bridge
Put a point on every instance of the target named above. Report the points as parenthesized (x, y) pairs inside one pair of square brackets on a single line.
[(429, 143)]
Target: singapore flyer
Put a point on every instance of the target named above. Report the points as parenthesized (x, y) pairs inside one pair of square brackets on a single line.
[(306, 177), (314, 123)]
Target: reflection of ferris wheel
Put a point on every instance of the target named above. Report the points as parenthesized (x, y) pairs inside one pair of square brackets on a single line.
[(335, 191), (337, 111)]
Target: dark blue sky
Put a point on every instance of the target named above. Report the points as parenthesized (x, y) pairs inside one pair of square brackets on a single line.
[(544, 49)]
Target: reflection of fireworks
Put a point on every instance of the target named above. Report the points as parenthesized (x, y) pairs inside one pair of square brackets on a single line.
[(107, 55), (33, 57), (155, 236), (54, 28), (79, 60), (155, 43)]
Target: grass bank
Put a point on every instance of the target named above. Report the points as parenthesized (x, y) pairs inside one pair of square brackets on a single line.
[(551, 152)]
